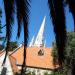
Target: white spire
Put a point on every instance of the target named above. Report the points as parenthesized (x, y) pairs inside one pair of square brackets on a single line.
[(32, 42), (39, 39)]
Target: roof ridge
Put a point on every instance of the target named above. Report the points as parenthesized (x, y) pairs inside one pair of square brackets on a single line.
[(16, 49)]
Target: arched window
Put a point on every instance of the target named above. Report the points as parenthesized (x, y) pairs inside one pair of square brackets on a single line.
[(41, 52)]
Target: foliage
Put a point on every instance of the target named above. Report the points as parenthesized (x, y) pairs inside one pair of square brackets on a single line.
[(54, 73), (1, 47), (55, 53), (17, 73), (46, 73), (69, 53), (0, 12), (22, 11), (57, 12), (2, 38), (31, 73), (12, 45), (57, 73), (27, 73)]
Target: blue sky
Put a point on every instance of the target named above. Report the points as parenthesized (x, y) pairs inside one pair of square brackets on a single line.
[(39, 9)]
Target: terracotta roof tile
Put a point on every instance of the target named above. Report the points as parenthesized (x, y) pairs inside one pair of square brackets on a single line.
[(13, 64), (33, 59)]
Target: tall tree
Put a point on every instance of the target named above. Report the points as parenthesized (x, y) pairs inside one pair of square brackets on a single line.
[(69, 53)]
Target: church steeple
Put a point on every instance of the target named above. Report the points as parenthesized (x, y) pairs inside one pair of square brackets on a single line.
[(39, 41)]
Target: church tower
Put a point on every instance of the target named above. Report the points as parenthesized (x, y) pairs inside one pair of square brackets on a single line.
[(39, 40)]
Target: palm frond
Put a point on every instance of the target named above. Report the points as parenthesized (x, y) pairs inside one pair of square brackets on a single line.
[(19, 15), (58, 18), (0, 12), (22, 11), (8, 5), (22, 17), (71, 4), (25, 23)]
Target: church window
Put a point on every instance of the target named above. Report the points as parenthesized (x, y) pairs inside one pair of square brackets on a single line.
[(41, 52)]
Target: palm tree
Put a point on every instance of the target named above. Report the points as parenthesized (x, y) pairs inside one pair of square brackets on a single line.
[(22, 17), (58, 18)]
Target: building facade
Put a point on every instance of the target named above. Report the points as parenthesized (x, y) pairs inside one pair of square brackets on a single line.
[(38, 57)]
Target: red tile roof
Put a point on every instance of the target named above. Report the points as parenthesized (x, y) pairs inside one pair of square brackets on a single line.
[(33, 59), (13, 64)]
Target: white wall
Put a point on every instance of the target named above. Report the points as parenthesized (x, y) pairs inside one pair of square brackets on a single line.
[(7, 65)]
